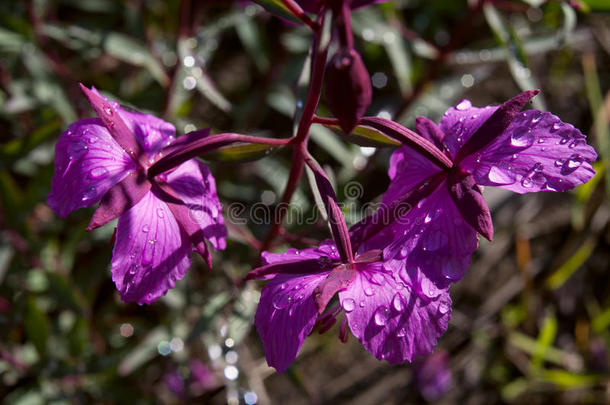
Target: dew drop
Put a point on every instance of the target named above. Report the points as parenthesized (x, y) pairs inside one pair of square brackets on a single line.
[(145, 228), (541, 140), (92, 139), (77, 150), (401, 333), (133, 269), (397, 302), (160, 212), (537, 118), (381, 315), (432, 216), (108, 111), (522, 137), (281, 301), (98, 173), (502, 174), (377, 279), (369, 292), (527, 182), (148, 252), (89, 194), (444, 307), (556, 126), (463, 105), (558, 163), (573, 163), (348, 305), (573, 144), (361, 304), (282, 286)]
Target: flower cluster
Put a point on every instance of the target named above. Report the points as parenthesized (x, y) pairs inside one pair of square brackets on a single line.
[(391, 272)]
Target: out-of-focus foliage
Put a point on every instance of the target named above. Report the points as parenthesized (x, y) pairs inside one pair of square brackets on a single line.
[(532, 317)]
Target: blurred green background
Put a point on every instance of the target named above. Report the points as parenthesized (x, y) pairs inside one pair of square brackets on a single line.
[(531, 320)]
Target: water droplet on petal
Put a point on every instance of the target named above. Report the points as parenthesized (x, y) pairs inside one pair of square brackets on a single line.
[(108, 110), (92, 139), (573, 163), (145, 228), (89, 194), (401, 333), (463, 105), (368, 291), (444, 307), (148, 252), (77, 150), (348, 305), (556, 126), (522, 137), (381, 315), (537, 118), (558, 163), (362, 304), (377, 279), (527, 182), (282, 286), (281, 301), (397, 302), (98, 173), (502, 174), (573, 144), (160, 212)]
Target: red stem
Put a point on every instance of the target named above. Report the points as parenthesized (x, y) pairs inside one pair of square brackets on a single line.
[(298, 12), (300, 140)]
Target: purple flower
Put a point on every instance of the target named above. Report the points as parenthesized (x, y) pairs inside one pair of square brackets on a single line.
[(432, 375), (387, 314), (493, 146), (105, 160)]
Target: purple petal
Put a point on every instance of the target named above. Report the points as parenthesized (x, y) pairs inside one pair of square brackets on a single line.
[(537, 152), (429, 130), (286, 315), (470, 202), (459, 123), (88, 162), (433, 236), (495, 125), (407, 169), (150, 252), (391, 321), (152, 133), (120, 198), (196, 187), (110, 115), (327, 251), (298, 266), (338, 280)]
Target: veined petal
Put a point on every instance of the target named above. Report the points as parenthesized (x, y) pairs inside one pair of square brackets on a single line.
[(88, 162), (391, 321), (196, 187), (537, 152), (286, 315), (152, 133), (327, 251), (459, 123), (408, 168), (434, 237), (150, 252)]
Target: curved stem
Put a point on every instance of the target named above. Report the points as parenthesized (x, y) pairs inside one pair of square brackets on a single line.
[(298, 12), (319, 55), (197, 143)]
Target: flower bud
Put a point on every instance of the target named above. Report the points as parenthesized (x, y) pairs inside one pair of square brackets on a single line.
[(348, 88)]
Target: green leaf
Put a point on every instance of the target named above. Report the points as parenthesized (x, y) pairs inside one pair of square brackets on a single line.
[(135, 53), (240, 153), (568, 380), (277, 8), (36, 325), (561, 275), (597, 5), (365, 136)]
